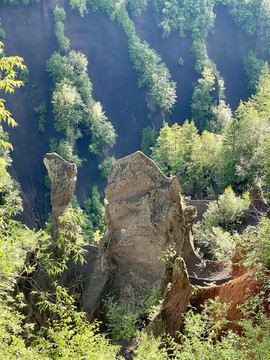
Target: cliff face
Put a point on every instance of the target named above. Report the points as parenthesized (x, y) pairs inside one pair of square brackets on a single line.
[(114, 84)]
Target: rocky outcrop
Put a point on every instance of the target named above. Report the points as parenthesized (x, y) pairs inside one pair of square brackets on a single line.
[(174, 306), (87, 281), (63, 177), (144, 218)]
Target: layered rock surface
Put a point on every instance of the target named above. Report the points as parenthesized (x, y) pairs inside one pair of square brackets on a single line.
[(63, 177), (144, 218), (174, 306)]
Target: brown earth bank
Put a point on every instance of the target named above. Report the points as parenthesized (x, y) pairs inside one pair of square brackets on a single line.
[(234, 293)]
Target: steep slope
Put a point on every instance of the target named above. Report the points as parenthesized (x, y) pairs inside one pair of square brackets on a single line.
[(30, 34)]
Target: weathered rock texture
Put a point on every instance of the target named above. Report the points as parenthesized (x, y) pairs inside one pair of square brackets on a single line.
[(87, 281), (174, 306), (63, 179), (144, 218)]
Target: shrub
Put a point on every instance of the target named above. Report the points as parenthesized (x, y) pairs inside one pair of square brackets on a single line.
[(24, 75), (220, 221), (220, 243), (149, 348), (2, 31), (41, 111), (64, 149), (226, 212), (149, 139), (105, 166), (200, 337), (181, 62), (255, 243), (122, 322), (151, 305)]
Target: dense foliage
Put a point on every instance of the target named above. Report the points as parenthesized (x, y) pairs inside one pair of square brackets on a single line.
[(105, 166), (63, 41), (217, 231), (2, 31), (149, 137), (41, 112), (247, 14), (253, 67), (90, 216), (237, 157), (73, 105), (194, 16), (181, 151)]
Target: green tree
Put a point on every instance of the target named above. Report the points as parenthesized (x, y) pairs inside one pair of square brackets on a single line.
[(41, 111), (149, 137), (153, 73), (97, 210), (204, 163), (243, 151), (161, 151), (253, 67), (81, 5), (184, 143), (64, 149), (59, 17), (202, 100), (181, 151), (2, 31), (74, 106), (68, 111), (9, 199), (105, 166), (102, 131), (222, 116), (135, 7)]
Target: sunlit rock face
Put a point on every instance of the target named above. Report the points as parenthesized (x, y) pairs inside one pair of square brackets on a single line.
[(145, 223), (63, 177), (144, 218), (176, 301)]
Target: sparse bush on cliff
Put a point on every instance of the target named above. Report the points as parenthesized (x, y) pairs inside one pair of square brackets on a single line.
[(59, 17), (41, 111)]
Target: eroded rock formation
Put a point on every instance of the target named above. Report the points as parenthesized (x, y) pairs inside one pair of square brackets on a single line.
[(174, 306), (145, 222), (63, 177), (144, 218)]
